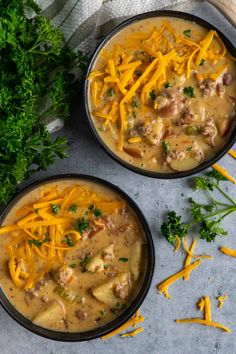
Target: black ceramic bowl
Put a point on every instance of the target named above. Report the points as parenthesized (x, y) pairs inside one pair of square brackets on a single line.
[(205, 164), (129, 312)]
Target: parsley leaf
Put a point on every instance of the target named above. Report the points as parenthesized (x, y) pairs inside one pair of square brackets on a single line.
[(167, 85), (189, 91), (84, 262), (174, 227), (72, 265), (68, 241), (110, 92), (153, 95), (166, 147), (202, 62), (123, 259), (73, 208), (55, 208), (187, 33), (81, 225)]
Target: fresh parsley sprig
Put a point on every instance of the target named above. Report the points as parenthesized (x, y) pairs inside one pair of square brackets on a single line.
[(206, 217)]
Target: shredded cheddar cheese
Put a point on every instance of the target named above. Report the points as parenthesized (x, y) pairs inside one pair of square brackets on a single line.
[(164, 286), (132, 333), (224, 173), (232, 153), (230, 252), (188, 259), (221, 300), (204, 323), (203, 256), (137, 318), (155, 58), (41, 237), (205, 305), (178, 244)]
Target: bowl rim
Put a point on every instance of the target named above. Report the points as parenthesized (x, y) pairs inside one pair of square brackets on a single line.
[(131, 309), (153, 174)]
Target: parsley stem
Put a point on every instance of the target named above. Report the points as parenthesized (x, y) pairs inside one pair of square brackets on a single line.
[(225, 194), (216, 202), (227, 210)]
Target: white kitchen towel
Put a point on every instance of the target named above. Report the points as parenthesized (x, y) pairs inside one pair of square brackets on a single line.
[(85, 22)]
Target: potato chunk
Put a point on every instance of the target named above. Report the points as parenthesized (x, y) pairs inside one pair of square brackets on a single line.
[(95, 264), (53, 312), (135, 259), (106, 291)]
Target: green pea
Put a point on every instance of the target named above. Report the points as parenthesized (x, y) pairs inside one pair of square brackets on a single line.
[(191, 130)]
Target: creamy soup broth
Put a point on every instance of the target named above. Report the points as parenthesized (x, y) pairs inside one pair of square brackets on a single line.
[(97, 273), (162, 94)]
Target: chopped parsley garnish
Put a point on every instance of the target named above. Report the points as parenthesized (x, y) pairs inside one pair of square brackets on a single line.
[(189, 148), (153, 95), (55, 208), (37, 210), (123, 259), (105, 266), (102, 312), (96, 212), (134, 115), (81, 225), (68, 241), (189, 91), (138, 73), (84, 263), (73, 208), (110, 92), (38, 243), (134, 104), (166, 147), (202, 62), (167, 85), (118, 308), (72, 265), (187, 33)]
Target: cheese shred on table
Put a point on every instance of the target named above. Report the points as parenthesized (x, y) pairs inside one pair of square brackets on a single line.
[(224, 173), (232, 153), (221, 300), (164, 286), (230, 252), (205, 305), (137, 318)]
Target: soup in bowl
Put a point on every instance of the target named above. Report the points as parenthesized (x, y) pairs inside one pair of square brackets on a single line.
[(77, 258), (160, 94)]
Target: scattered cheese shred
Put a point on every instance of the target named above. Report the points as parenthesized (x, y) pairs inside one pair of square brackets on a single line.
[(188, 258), (132, 333), (230, 252), (164, 286), (221, 300), (205, 305), (203, 256), (177, 244), (232, 153), (205, 323), (133, 321), (224, 172)]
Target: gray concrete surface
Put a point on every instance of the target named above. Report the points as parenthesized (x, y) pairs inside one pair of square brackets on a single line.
[(161, 334)]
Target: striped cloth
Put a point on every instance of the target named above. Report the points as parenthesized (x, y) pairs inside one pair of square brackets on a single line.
[(85, 22)]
